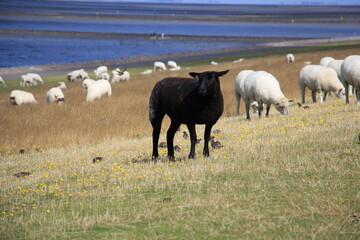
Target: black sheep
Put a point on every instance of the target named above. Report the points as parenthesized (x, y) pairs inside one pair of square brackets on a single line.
[(189, 101)]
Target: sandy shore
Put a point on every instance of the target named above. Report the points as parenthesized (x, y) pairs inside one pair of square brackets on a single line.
[(53, 69)]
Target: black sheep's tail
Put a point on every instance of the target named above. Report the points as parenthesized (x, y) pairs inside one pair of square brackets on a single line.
[(154, 104)]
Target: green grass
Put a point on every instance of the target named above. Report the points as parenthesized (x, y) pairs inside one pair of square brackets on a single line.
[(294, 177), (285, 177)]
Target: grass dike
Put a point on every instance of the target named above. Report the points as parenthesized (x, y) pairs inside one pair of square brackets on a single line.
[(284, 177)]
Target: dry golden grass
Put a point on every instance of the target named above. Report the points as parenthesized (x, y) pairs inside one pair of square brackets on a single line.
[(125, 114)]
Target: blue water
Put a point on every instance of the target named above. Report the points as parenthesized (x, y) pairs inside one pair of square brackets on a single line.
[(200, 28), (35, 49)]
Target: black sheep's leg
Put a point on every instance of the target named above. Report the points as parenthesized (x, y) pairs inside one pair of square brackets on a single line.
[(192, 132), (170, 139), (156, 123), (207, 138)]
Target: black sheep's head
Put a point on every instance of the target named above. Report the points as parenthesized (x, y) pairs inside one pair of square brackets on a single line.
[(208, 81)]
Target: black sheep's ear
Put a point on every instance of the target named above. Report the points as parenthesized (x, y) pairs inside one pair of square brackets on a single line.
[(194, 75), (222, 73)]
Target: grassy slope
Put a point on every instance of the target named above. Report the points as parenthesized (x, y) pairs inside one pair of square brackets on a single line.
[(125, 114), (282, 177)]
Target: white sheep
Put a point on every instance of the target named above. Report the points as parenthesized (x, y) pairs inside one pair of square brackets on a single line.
[(289, 58), (319, 79), (73, 76), (105, 76), (175, 68), (98, 89), (76, 75), (27, 81), (336, 65), (62, 85), (147, 71), (36, 77), (172, 64), (325, 61), (264, 88), (86, 83), (239, 86), (55, 94), (214, 63), (30, 80), (350, 74), (99, 70), (159, 65), (18, 97), (83, 74), (238, 60), (2, 82), (119, 75)]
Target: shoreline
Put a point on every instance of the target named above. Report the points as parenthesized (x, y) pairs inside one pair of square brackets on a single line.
[(137, 61), (143, 35), (277, 17)]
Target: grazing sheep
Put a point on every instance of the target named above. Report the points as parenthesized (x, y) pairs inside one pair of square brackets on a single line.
[(119, 76), (83, 75), (264, 88), (86, 83), (98, 89), (76, 75), (239, 86), (214, 63), (172, 64), (36, 77), (2, 82), (147, 71), (159, 65), (325, 61), (104, 76), (98, 71), (336, 65), (27, 81), (175, 68), (55, 95), (350, 74), (289, 58), (238, 60), (189, 101), (319, 79), (62, 85), (18, 97), (30, 80)]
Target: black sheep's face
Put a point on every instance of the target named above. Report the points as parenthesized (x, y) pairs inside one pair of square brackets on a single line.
[(208, 81)]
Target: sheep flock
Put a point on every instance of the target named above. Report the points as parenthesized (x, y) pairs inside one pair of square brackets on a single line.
[(256, 88)]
